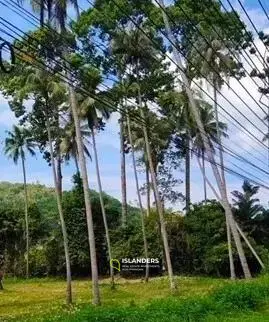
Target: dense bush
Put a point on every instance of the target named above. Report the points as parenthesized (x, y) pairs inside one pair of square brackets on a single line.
[(197, 241)]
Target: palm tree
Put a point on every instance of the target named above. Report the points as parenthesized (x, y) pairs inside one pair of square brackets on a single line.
[(247, 207), (89, 110), (68, 146), (49, 94), (139, 197), (60, 14), (56, 10), (18, 142), (218, 176)]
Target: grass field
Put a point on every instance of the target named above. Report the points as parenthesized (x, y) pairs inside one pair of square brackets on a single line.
[(197, 299)]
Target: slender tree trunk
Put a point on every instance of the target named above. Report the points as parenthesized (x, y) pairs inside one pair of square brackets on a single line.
[(103, 207), (26, 215), (63, 226), (203, 171), (84, 176), (59, 172), (76, 7), (123, 174), (158, 200), (76, 163), (187, 175), (42, 11), (139, 199), (250, 246), (148, 189), (229, 239), (209, 152)]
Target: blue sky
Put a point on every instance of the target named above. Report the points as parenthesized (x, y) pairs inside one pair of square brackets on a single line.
[(108, 141)]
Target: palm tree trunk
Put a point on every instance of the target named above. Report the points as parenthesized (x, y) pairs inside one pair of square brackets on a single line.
[(76, 7), (26, 215), (103, 207), (123, 174), (203, 171), (229, 239), (76, 163), (42, 11), (209, 152), (139, 199), (59, 172), (63, 226), (158, 199), (148, 189), (187, 175), (84, 176)]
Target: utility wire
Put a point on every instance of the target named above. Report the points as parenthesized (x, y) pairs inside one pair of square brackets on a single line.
[(262, 61), (210, 97), (214, 70), (242, 52), (202, 89)]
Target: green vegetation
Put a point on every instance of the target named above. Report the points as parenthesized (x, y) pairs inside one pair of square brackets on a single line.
[(192, 251), (200, 299)]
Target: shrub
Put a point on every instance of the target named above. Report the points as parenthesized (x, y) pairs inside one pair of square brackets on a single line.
[(241, 296)]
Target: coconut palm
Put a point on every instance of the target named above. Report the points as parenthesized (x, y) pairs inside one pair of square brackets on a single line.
[(68, 144), (18, 142), (49, 94), (93, 112), (247, 207), (56, 10), (59, 11)]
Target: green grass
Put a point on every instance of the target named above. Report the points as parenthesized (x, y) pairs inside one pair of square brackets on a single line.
[(197, 299)]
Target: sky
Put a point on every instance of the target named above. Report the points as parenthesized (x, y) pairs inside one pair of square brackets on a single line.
[(108, 141)]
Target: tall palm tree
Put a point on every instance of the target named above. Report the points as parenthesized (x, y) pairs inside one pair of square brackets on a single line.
[(49, 93), (89, 110), (17, 144), (137, 53), (60, 13), (219, 180), (139, 197)]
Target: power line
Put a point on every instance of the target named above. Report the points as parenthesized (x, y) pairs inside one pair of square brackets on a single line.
[(241, 52), (140, 120), (212, 84), (210, 97), (263, 62), (206, 93), (263, 8)]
